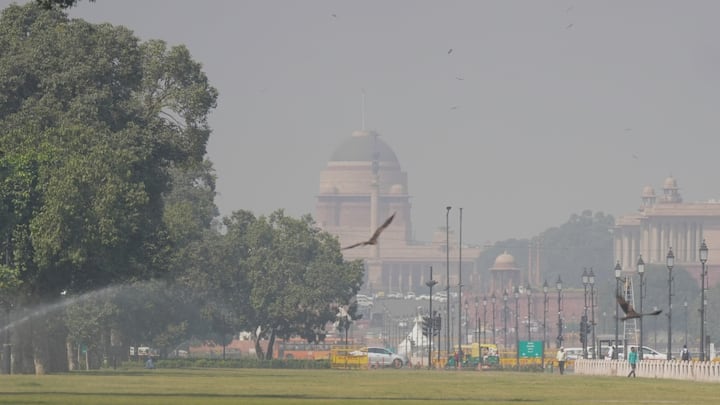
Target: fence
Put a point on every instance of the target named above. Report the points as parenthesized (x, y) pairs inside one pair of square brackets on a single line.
[(671, 369)]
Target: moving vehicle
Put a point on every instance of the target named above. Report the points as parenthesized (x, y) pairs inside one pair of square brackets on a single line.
[(381, 357)]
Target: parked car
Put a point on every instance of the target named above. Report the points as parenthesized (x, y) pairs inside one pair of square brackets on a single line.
[(647, 353), (381, 357), (573, 353)]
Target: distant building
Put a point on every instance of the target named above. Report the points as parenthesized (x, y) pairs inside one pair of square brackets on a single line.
[(666, 221), (362, 185)]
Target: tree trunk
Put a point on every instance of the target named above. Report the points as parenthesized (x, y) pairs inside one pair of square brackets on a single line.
[(271, 343), (71, 359), (258, 349), (40, 346)]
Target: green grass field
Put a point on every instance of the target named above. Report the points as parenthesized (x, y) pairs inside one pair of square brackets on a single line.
[(266, 386)]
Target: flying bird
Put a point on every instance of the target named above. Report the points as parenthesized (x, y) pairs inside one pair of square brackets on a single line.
[(569, 26), (374, 238), (630, 311), (450, 51), (459, 78)]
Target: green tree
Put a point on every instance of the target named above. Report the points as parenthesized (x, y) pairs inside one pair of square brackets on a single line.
[(294, 275), (91, 123), (48, 4)]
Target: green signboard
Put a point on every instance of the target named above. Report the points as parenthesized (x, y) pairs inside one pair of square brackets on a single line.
[(531, 348)]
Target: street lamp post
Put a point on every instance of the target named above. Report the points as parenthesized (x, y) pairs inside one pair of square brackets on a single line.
[(431, 332), (703, 274), (460, 350), (529, 292), (467, 320), (517, 327), (618, 274), (685, 304), (505, 314), (447, 276), (641, 272), (484, 323), (655, 308), (477, 321), (592, 311), (545, 306), (492, 299), (559, 339), (670, 263), (584, 318)]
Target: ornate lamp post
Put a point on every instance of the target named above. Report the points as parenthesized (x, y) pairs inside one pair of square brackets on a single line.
[(517, 327), (545, 306), (703, 275), (591, 278), (559, 310), (685, 304), (467, 322), (584, 318), (484, 323), (529, 293), (492, 299), (505, 315), (670, 263), (477, 321), (618, 274), (641, 272), (431, 283)]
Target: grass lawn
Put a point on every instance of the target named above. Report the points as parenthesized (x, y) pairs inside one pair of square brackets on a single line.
[(268, 386)]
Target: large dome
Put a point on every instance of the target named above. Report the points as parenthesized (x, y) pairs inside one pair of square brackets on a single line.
[(361, 147)]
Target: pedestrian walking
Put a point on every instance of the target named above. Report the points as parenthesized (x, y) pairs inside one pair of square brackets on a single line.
[(610, 353), (632, 359), (561, 356), (685, 354)]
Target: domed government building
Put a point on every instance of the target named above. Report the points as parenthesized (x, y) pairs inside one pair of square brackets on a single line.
[(362, 185)]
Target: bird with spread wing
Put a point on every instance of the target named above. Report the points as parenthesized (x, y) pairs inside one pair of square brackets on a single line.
[(374, 238), (630, 311)]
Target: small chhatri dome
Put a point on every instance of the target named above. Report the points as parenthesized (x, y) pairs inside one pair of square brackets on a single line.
[(504, 261), (648, 191), (670, 183)]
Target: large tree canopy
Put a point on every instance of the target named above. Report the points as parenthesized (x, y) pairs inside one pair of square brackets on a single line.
[(92, 124)]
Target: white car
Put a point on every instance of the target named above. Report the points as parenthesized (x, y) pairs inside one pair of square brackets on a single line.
[(381, 357), (647, 354)]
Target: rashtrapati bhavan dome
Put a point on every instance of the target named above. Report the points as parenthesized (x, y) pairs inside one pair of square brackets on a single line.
[(664, 221), (362, 185)]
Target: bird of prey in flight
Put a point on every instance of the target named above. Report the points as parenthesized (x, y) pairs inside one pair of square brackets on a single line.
[(630, 311), (374, 238)]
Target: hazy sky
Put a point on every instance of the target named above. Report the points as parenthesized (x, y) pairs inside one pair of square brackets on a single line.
[(563, 105)]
